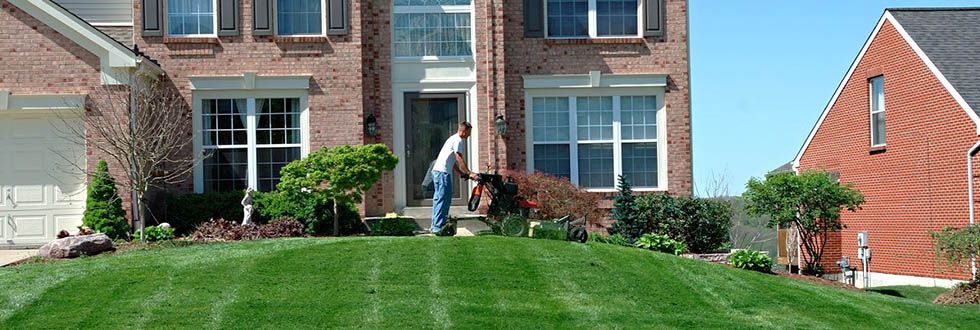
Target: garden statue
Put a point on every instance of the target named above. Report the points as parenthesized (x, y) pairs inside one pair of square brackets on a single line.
[(247, 206)]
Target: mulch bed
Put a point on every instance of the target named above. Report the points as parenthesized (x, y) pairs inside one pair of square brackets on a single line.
[(821, 281), (964, 294)]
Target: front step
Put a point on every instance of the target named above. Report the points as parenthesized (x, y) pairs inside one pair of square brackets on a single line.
[(423, 219)]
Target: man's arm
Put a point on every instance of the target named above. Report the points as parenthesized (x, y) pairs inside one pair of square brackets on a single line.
[(462, 168)]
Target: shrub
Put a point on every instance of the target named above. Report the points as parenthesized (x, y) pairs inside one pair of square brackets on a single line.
[(103, 207), (340, 175), (611, 239), (957, 246), (557, 197), (549, 231), (626, 213), (157, 233), (223, 230), (393, 227), (751, 260), (702, 224), (313, 211), (661, 243), (187, 211)]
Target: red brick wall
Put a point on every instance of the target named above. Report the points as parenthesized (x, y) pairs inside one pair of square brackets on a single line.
[(918, 183), (36, 59)]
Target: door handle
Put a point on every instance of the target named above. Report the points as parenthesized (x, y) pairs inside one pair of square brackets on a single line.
[(408, 151)]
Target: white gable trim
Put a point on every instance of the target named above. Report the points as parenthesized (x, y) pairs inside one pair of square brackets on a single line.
[(115, 59), (886, 17)]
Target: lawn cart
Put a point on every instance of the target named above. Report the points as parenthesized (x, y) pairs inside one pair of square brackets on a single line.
[(508, 213)]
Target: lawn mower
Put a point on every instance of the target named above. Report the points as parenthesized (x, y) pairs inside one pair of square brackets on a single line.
[(508, 213)]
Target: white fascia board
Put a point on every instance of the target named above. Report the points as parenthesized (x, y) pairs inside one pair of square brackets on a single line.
[(594, 80), (250, 81), (13, 102), (886, 17)]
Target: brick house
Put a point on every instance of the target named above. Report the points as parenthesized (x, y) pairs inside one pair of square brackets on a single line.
[(588, 89), (902, 128)]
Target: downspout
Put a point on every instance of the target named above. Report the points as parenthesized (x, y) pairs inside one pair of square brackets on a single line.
[(969, 188)]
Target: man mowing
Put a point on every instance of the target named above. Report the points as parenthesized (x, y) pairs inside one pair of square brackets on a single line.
[(450, 158)]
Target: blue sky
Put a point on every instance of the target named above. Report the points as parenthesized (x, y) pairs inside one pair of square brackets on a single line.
[(761, 73)]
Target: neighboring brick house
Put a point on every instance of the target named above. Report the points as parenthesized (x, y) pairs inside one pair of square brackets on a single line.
[(900, 127), (588, 89)]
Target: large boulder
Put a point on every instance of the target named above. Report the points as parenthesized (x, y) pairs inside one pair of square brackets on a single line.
[(74, 246)]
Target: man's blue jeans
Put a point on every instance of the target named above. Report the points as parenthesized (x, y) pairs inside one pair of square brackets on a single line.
[(441, 199)]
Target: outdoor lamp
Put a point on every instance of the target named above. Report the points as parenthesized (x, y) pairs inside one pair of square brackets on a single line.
[(501, 125), (371, 125)]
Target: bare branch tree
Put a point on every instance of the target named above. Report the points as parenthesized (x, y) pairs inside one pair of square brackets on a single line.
[(145, 129)]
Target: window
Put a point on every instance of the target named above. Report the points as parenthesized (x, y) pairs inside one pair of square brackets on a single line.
[(592, 18), (299, 17), (190, 17), (250, 139), (432, 28), (581, 137), (877, 111)]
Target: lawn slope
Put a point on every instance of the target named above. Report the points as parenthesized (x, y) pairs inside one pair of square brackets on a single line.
[(431, 282)]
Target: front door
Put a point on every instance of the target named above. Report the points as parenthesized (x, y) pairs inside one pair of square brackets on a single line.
[(430, 120)]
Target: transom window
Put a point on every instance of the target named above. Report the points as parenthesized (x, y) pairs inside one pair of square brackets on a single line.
[(190, 17), (877, 111), (299, 17), (592, 18), (432, 28), (581, 138), (249, 139)]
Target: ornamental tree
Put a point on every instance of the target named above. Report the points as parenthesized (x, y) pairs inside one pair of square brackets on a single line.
[(103, 207), (341, 174), (626, 213), (957, 246), (811, 202)]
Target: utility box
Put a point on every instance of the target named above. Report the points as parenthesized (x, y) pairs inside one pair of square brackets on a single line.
[(863, 239)]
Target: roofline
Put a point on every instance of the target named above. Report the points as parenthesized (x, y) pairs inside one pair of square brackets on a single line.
[(113, 55), (932, 9), (887, 17)]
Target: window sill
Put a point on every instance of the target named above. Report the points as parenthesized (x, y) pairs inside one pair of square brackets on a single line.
[(301, 39), (433, 59), (190, 40), (595, 41), (876, 150)]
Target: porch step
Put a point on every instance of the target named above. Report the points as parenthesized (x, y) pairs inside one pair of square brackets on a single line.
[(423, 219), (426, 212)]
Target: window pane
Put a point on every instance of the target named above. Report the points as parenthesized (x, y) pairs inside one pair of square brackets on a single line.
[(226, 170), (552, 159), (270, 161), (224, 122), (278, 121), (616, 17), (432, 34), (595, 118), (878, 128), (640, 164), (595, 165), (190, 17), (639, 117), (550, 115), (432, 2), (568, 18), (299, 17)]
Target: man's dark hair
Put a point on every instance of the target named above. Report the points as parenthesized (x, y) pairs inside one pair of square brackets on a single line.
[(465, 125)]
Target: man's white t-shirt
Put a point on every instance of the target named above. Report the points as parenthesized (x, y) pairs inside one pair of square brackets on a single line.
[(447, 156)]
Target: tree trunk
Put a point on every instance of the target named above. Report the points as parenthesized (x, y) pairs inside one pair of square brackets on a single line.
[(336, 219)]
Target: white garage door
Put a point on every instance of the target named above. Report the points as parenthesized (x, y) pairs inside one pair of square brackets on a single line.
[(42, 189)]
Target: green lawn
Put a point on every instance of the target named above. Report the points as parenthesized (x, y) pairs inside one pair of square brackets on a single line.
[(431, 282), (919, 293)]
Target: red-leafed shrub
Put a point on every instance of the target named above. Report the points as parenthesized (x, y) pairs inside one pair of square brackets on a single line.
[(224, 230), (558, 197)]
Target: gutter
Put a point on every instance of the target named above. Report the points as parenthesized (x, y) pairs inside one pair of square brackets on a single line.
[(969, 177)]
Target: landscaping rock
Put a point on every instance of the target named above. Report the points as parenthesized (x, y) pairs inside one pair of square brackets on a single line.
[(968, 293), (75, 246)]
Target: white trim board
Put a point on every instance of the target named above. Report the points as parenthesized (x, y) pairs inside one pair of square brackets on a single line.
[(114, 58), (883, 279), (886, 17), (250, 81), (15, 102)]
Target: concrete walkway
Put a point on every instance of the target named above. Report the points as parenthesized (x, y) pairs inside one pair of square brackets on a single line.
[(11, 256)]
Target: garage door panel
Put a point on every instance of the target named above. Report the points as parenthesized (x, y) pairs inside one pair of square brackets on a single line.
[(29, 226), (42, 182)]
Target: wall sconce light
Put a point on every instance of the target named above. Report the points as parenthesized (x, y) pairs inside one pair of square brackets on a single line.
[(371, 125), (501, 125)]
